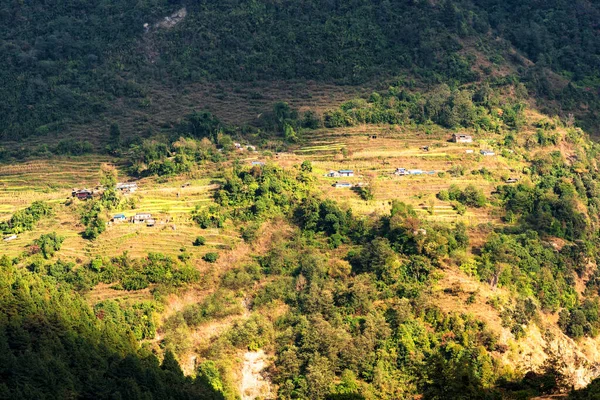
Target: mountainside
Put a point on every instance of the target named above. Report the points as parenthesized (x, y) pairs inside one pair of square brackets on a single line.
[(365, 200), (69, 62)]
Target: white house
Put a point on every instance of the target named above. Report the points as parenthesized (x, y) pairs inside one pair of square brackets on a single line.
[(346, 172), (127, 187), (462, 138), (487, 153), (141, 217), (343, 185), (332, 174)]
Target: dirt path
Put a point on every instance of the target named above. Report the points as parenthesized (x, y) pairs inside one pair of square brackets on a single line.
[(253, 384)]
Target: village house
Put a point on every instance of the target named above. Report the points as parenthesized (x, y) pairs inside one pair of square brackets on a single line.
[(462, 138), (258, 164), (512, 180), (404, 171), (342, 185), (487, 153), (346, 172), (150, 222), (82, 194), (10, 238), (141, 218), (119, 218), (332, 174), (127, 187)]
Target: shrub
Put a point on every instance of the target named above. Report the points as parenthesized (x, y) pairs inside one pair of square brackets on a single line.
[(200, 241), (443, 195), (211, 257), (135, 282), (250, 233)]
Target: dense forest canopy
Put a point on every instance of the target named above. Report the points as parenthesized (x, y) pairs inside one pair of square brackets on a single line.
[(65, 61)]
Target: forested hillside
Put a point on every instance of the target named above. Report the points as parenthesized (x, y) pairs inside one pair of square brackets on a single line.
[(299, 199), (67, 62)]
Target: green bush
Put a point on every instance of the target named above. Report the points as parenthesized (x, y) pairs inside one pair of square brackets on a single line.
[(211, 257), (48, 244)]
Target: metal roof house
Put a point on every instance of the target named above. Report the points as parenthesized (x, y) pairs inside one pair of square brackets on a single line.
[(127, 187), (346, 172), (333, 174), (342, 185), (119, 217), (83, 194), (462, 138), (487, 153), (258, 164)]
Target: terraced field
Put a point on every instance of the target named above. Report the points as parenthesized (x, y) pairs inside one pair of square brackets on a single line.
[(169, 202), (374, 153)]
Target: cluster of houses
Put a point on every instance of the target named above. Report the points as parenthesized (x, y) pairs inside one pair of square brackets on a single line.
[(241, 147), (139, 218), (86, 194), (341, 173), (463, 138)]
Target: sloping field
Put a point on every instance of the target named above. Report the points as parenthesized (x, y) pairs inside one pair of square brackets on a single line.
[(374, 153), (170, 203)]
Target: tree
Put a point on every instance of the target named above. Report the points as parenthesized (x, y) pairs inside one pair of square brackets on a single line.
[(211, 257), (115, 134), (49, 243), (289, 133), (306, 166)]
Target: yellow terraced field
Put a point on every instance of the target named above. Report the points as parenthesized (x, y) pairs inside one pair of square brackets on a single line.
[(169, 202), (374, 160)]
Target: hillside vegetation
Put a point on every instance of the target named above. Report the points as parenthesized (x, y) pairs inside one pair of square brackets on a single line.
[(303, 223), (67, 63), (454, 284)]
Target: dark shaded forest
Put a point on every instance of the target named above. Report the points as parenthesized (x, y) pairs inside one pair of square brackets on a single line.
[(65, 61)]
